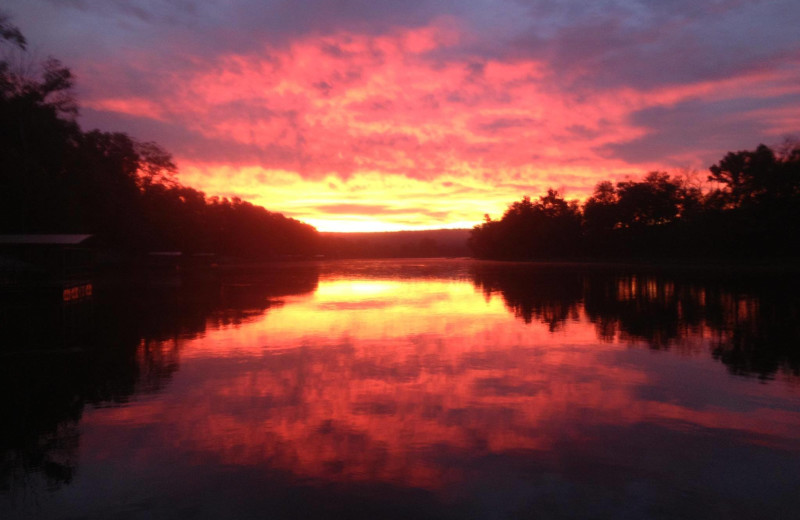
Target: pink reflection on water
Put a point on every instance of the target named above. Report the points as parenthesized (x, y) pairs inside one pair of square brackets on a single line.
[(390, 381)]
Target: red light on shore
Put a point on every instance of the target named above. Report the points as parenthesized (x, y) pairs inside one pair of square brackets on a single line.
[(79, 292)]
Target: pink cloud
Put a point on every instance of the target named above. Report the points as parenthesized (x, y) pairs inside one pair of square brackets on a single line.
[(378, 103)]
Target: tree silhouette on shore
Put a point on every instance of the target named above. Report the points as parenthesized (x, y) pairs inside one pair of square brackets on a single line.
[(57, 178), (752, 211)]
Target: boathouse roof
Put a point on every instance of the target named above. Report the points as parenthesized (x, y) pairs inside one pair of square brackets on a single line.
[(63, 240)]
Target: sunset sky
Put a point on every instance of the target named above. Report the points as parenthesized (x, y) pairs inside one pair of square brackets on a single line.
[(382, 115)]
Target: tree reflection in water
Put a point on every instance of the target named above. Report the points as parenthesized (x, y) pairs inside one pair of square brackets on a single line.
[(549, 294), (751, 319), (121, 344)]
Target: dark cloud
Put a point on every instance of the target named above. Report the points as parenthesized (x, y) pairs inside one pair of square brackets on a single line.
[(699, 128), (183, 142), (581, 131), (505, 123), (605, 42), (218, 27), (647, 44)]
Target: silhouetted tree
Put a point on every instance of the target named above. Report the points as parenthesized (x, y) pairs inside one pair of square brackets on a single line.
[(37, 130), (651, 202), (758, 202), (754, 211), (601, 211), (547, 228), (56, 178)]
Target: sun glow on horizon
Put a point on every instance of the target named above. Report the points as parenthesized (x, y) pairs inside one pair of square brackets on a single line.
[(371, 201), (374, 226), (363, 202)]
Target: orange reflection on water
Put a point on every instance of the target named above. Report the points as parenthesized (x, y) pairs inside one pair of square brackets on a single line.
[(406, 381)]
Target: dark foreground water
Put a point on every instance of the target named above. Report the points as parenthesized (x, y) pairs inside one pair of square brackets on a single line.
[(406, 389)]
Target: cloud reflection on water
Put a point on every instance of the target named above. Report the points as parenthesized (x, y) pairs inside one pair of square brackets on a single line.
[(478, 382), (377, 380)]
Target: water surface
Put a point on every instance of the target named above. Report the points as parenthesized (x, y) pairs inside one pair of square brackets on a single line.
[(408, 389)]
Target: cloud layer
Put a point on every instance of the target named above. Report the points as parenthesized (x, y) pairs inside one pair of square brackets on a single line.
[(387, 115)]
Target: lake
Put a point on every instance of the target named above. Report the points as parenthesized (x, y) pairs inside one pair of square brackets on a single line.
[(407, 389)]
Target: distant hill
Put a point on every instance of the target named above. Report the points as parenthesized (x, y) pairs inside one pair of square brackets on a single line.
[(396, 244)]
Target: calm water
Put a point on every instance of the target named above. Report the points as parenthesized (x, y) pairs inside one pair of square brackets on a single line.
[(407, 389)]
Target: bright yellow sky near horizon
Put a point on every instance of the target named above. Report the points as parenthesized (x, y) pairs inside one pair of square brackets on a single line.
[(366, 202)]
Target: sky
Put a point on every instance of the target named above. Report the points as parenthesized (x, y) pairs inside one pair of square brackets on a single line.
[(368, 115)]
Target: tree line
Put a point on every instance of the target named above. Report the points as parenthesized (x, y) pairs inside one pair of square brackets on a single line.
[(752, 209), (57, 178)]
